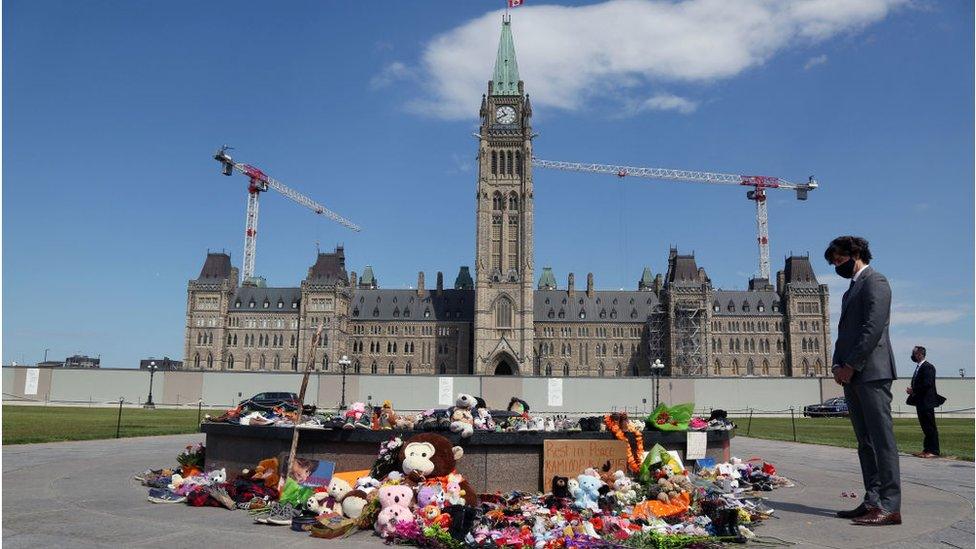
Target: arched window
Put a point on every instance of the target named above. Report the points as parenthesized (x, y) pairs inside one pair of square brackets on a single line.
[(294, 362), (358, 368), (392, 367), (765, 367), (261, 362), (566, 369), (803, 344), (636, 371), (247, 362), (601, 370), (496, 201), (513, 202), (230, 362), (494, 163), (503, 313), (511, 167), (409, 368), (196, 360), (735, 366), (443, 368), (210, 360), (750, 368), (717, 369), (501, 162), (816, 344), (325, 363), (373, 368), (806, 367), (518, 162), (548, 369)]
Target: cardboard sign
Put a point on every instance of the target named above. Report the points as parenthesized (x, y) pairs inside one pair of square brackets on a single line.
[(445, 391), (568, 458), (695, 445), (309, 471), (30, 381), (555, 392)]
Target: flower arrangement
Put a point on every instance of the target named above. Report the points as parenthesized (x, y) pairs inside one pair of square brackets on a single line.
[(617, 424), (191, 459), (386, 460)]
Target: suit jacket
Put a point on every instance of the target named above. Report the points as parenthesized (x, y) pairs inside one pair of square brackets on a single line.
[(862, 333), (923, 388)]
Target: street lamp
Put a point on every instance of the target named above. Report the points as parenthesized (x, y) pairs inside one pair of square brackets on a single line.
[(45, 354), (657, 367), (152, 372), (344, 363)]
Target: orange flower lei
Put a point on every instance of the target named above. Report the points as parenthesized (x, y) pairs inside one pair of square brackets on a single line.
[(614, 423)]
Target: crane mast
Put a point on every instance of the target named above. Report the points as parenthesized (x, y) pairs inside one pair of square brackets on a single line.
[(759, 184), (260, 182)]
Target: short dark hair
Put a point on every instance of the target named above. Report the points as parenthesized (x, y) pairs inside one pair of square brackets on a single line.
[(853, 246), (920, 349)]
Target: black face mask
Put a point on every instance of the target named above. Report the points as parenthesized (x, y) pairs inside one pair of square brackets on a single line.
[(845, 269), (914, 358)]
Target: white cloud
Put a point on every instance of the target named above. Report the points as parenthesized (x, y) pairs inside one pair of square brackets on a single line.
[(902, 315), (570, 55), (814, 61), (905, 311), (391, 73), (668, 102)]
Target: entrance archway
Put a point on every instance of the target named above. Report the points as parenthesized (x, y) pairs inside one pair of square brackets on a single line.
[(505, 365)]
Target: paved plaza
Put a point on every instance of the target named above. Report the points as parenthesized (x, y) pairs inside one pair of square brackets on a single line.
[(80, 494)]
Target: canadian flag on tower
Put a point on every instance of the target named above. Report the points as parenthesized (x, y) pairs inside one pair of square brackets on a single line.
[(515, 3)]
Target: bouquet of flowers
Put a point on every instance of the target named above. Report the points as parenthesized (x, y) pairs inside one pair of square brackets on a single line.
[(673, 418), (191, 459), (386, 461)]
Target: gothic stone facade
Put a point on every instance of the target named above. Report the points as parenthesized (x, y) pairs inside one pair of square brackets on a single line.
[(498, 323)]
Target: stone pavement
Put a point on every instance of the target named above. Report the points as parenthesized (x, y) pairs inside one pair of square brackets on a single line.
[(79, 494)]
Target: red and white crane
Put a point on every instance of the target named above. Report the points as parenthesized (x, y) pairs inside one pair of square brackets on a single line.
[(260, 182), (757, 194)]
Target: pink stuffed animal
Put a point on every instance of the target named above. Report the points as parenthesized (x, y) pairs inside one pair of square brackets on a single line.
[(395, 506)]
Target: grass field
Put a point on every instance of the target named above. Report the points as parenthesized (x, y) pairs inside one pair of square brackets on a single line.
[(955, 434), (25, 424)]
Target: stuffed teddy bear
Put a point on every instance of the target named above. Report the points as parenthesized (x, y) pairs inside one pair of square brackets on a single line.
[(267, 471), (334, 494), (318, 503), (623, 489), (454, 494), (431, 495), (405, 423), (217, 476), (394, 506), (560, 487), (428, 459), (462, 415), (387, 417), (588, 492), (432, 515)]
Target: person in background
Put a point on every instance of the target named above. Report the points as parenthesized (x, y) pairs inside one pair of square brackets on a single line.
[(922, 395), (865, 365)]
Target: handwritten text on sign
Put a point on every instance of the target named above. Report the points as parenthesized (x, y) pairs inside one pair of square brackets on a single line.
[(568, 458)]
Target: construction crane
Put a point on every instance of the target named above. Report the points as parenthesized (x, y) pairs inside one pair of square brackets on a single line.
[(759, 184), (260, 182)]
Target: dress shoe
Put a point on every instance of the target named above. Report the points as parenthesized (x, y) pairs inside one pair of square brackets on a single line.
[(918, 454), (878, 517), (928, 455), (861, 510)]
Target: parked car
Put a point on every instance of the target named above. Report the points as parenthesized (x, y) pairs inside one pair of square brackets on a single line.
[(268, 401), (832, 407)]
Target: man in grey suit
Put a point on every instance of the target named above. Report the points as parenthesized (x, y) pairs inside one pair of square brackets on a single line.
[(865, 365)]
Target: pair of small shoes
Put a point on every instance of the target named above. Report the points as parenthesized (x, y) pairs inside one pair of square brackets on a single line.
[(282, 514), (162, 495)]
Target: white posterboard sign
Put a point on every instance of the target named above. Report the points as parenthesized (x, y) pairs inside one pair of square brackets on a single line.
[(695, 447), (555, 392), (445, 391), (30, 382)]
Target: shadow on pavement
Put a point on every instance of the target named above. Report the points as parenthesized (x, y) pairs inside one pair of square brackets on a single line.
[(804, 509)]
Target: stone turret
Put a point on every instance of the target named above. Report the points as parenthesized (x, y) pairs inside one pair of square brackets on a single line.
[(547, 281), (571, 285), (589, 285)]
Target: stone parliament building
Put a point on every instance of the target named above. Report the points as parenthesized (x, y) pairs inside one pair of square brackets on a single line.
[(503, 321)]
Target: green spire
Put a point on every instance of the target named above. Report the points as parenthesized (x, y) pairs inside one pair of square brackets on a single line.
[(547, 281), (646, 281), (368, 280), (506, 77)]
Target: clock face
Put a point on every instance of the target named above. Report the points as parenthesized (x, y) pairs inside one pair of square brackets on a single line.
[(505, 114)]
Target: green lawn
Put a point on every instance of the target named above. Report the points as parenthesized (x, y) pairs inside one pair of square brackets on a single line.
[(956, 435), (25, 424)]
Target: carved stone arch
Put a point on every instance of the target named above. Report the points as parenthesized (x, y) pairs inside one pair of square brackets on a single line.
[(503, 364)]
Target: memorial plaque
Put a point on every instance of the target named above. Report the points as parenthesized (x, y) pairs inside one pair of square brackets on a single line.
[(568, 458), (696, 445), (445, 391)]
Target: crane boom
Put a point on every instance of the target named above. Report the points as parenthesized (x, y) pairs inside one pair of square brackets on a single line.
[(261, 182), (759, 184)]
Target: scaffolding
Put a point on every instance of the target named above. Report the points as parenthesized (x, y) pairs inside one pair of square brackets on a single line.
[(655, 340), (689, 340)]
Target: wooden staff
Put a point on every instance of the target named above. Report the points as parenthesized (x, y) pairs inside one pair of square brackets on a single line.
[(301, 397)]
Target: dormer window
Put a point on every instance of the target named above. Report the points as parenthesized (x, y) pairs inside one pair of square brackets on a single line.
[(603, 312), (547, 301), (355, 311), (294, 304), (251, 304), (633, 313), (775, 306), (551, 313), (731, 307), (396, 312), (281, 304), (237, 304), (267, 303), (562, 313), (426, 313), (582, 315), (394, 299), (406, 311), (376, 311), (745, 306), (613, 313), (761, 307)]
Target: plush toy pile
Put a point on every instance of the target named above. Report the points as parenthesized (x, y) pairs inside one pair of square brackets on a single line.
[(468, 415), (414, 494)]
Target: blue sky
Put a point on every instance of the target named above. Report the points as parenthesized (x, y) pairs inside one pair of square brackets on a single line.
[(112, 111)]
